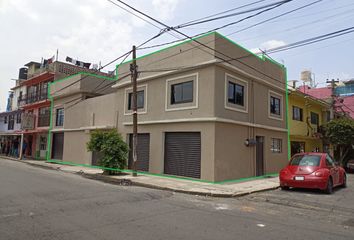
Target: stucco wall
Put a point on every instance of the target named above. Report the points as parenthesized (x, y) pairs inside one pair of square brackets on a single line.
[(157, 139), (75, 147)]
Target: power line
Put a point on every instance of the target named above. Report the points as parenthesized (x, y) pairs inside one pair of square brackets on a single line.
[(312, 40), (98, 70), (230, 15), (230, 10), (277, 49), (145, 20), (275, 17), (307, 24), (202, 44), (105, 87), (218, 28)]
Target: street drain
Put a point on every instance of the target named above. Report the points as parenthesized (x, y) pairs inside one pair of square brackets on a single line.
[(349, 222)]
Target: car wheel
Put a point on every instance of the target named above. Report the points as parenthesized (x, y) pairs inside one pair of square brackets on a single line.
[(329, 188), (344, 185), (284, 188)]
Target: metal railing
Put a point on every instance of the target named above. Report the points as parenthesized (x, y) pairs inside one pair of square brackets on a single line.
[(43, 120), (33, 97)]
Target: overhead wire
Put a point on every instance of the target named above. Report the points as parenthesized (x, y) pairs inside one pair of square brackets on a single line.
[(218, 28), (230, 10), (276, 49), (204, 45), (231, 15)]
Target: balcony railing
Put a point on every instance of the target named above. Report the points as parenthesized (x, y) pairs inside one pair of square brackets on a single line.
[(33, 98), (44, 120)]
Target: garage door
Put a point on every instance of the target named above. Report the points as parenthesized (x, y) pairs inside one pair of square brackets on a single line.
[(58, 145), (143, 152), (182, 154)]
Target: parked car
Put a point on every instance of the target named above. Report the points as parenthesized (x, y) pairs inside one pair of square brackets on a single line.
[(312, 170), (350, 166)]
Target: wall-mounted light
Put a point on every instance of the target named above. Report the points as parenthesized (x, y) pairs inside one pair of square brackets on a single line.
[(250, 142)]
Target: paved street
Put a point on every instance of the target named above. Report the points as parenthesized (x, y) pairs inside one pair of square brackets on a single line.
[(38, 204)]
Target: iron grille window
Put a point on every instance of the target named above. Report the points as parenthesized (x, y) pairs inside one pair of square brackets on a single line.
[(44, 117), (276, 145), (236, 93), (314, 118), (59, 121), (11, 122), (182, 92), (297, 113), (275, 105), (140, 100), (18, 118)]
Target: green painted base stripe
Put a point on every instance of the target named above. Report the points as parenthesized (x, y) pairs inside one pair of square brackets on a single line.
[(161, 175)]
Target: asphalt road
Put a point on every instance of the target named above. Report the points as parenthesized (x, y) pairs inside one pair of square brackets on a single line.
[(40, 204)]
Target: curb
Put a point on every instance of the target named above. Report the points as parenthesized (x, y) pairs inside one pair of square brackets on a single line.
[(129, 182)]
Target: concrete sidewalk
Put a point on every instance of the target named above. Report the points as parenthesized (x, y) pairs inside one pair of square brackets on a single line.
[(172, 184)]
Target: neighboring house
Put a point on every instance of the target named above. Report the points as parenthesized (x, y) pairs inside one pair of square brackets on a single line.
[(68, 95), (306, 116), (10, 129), (35, 104), (344, 96), (199, 116)]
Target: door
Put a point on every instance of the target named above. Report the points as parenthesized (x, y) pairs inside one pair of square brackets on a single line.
[(183, 154), (143, 152), (259, 156), (58, 145)]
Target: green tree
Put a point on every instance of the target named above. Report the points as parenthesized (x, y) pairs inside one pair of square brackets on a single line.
[(340, 133), (112, 147)]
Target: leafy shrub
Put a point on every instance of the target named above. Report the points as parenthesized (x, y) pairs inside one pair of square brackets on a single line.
[(112, 147)]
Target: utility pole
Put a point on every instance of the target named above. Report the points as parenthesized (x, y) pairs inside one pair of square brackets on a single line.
[(134, 75), (333, 95)]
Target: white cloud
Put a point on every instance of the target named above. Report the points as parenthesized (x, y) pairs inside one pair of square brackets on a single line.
[(165, 8), (268, 45), (89, 30)]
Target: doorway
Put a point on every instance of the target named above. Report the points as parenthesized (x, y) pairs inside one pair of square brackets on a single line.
[(259, 155)]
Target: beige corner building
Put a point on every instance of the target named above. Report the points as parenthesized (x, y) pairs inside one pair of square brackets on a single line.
[(214, 113)]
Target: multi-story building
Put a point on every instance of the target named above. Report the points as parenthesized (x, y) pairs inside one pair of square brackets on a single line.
[(10, 121), (341, 96), (306, 116), (213, 113), (31, 98)]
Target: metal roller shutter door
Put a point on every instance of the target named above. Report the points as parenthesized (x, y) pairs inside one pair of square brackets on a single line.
[(182, 154), (143, 152)]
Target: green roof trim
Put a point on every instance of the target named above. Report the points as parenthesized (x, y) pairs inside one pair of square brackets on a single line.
[(261, 57)]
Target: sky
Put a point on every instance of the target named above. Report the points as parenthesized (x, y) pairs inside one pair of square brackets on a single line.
[(98, 31)]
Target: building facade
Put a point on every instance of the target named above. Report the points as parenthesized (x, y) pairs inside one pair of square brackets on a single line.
[(200, 115), (306, 116)]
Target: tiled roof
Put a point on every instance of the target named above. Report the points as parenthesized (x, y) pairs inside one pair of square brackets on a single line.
[(348, 105), (324, 93), (321, 93)]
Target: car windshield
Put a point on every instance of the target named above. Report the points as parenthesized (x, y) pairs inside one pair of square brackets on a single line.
[(305, 160)]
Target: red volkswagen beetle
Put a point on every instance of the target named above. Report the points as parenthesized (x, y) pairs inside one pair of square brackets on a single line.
[(312, 170)]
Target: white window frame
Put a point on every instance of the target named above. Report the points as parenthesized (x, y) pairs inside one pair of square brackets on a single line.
[(126, 95), (280, 96), (195, 93), (280, 145), (239, 81)]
